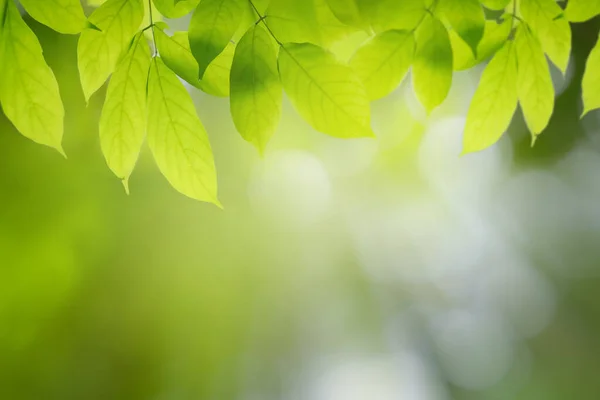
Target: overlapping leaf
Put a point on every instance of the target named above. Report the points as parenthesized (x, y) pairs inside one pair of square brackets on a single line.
[(177, 138), (493, 38), (432, 68), (256, 92), (28, 89), (123, 119), (393, 14), (176, 54), (325, 92), (64, 16), (536, 93), (466, 18), (175, 8), (383, 62), (212, 26), (98, 51), (547, 22)]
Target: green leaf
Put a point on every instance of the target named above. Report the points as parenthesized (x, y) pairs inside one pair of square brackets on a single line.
[(494, 37), (293, 21), (175, 8), (591, 81), (534, 83), (98, 52), (347, 11), (64, 16), (176, 54), (494, 102), (432, 68), (548, 23), (177, 138), (212, 26), (28, 89), (123, 118), (466, 18), (394, 14), (326, 93), (383, 62), (495, 4), (582, 10), (256, 92)]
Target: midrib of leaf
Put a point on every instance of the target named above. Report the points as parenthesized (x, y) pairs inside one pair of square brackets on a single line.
[(114, 18), (123, 98), (173, 124), (15, 40), (388, 58), (214, 22), (497, 90), (319, 87)]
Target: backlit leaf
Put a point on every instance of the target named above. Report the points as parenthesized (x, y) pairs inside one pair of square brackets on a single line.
[(432, 68), (582, 10), (64, 16), (591, 81), (325, 92), (98, 51), (347, 11), (175, 8), (536, 93), (28, 89), (256, 92), (176, 54), (383, 62), (123, 119), (552, 29), (494, 102), (177, 138), (212, 26), (493, 38), (293, 21), (466, 18), (495, 4), (393, 14)]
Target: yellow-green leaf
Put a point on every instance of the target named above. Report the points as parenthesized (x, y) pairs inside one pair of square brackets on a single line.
[(175, 8), (494, 102), (98, 51), (591, 81), (326, 93), (64, 16), (123, 118), (28, 89), (177, 138), (256, 92), (493, 38), (176, 54), (582, 10), (394, 14), (293, 21), (534, 83), (553, 30), (212, 26), (347, 11), (466, 18), (383, 62), (432, 68), (495, 4)]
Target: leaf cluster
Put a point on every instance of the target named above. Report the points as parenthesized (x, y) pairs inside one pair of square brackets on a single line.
[(253, 51)]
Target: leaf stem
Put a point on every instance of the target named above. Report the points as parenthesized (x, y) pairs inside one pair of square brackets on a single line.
[(262, 19)]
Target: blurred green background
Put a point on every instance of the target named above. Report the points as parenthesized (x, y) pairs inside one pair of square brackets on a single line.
[(365, 269)]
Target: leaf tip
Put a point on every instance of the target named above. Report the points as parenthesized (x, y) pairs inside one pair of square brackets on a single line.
[(125, 182), (61, 151), (534, 138)]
